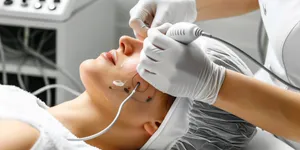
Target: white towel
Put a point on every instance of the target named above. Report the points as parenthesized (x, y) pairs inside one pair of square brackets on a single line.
[(20, 105)]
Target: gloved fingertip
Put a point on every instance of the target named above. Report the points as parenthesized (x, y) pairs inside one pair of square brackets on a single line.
[(139, 69), (164, 28), (156, 24), (151, 32), (160, 29), (140, 37), (139, 26)]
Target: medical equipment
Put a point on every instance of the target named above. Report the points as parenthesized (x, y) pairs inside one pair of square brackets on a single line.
[(54, 10), (113, 122), (186, 33), (53, 42)]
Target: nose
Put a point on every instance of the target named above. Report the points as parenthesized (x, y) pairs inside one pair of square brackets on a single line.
[(129, 45)]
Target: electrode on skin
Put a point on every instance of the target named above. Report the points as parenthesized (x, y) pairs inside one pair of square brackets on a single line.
[(119, 83)]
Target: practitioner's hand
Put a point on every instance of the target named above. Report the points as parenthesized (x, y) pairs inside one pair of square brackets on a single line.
[(153, 13)]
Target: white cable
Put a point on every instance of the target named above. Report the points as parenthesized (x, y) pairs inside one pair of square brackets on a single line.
[(46, 81), (52, 64), (26, 36), (4, 74), (112, 123), (12, 39), (24, 60), (44, 40), (41, 90), (32, 52), (13, 52), (32, 37), (49, 53), (19, 70)]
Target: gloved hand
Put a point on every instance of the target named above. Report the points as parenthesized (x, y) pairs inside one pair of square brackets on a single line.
[(152, 13), (177, 69)]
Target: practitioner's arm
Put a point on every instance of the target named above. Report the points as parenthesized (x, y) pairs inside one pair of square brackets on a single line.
[(269, 107), (214, 9)]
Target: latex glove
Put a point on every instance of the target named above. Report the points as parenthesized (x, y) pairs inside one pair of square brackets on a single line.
[(177, 69), (153, 13)]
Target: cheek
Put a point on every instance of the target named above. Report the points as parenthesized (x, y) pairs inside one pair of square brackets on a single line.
[(130, 65)]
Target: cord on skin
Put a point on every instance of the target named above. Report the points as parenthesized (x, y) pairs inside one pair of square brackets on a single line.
[(127, 89), (112, 123)]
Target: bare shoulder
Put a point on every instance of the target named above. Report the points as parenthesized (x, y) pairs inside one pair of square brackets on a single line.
[(16, 135)]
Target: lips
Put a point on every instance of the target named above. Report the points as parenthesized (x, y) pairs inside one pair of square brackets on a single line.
[(111, 56)]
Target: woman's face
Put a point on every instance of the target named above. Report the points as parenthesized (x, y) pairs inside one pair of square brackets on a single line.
[(111, 77)]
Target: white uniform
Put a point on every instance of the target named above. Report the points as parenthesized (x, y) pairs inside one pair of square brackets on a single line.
[(282, 22)]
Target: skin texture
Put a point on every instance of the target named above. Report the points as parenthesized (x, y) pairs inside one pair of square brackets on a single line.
[(269, 107), (94, 109)]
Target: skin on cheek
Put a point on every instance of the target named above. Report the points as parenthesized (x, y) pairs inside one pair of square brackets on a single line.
[(130, 65), (129, 78)]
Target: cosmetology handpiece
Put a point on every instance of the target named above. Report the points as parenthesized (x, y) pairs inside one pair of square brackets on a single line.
[(186, 33), (113, 122)]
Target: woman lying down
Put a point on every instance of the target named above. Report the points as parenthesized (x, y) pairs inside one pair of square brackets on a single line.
[(149, 120)]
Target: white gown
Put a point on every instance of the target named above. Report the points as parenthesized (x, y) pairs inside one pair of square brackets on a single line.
[(20, 105)]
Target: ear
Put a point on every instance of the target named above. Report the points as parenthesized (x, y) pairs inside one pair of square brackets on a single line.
[(151, 127)]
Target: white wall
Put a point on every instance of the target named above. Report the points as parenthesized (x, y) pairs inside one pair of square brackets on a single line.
[(123, 7), (241, 31)]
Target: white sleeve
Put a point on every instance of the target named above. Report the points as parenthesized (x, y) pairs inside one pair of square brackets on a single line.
[(281, 19), (291, 55)]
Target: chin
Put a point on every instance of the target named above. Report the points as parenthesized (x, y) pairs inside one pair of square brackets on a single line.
[(92, 75), (91, 67)]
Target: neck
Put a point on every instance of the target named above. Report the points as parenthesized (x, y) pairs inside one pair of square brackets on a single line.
[(73, 115)]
